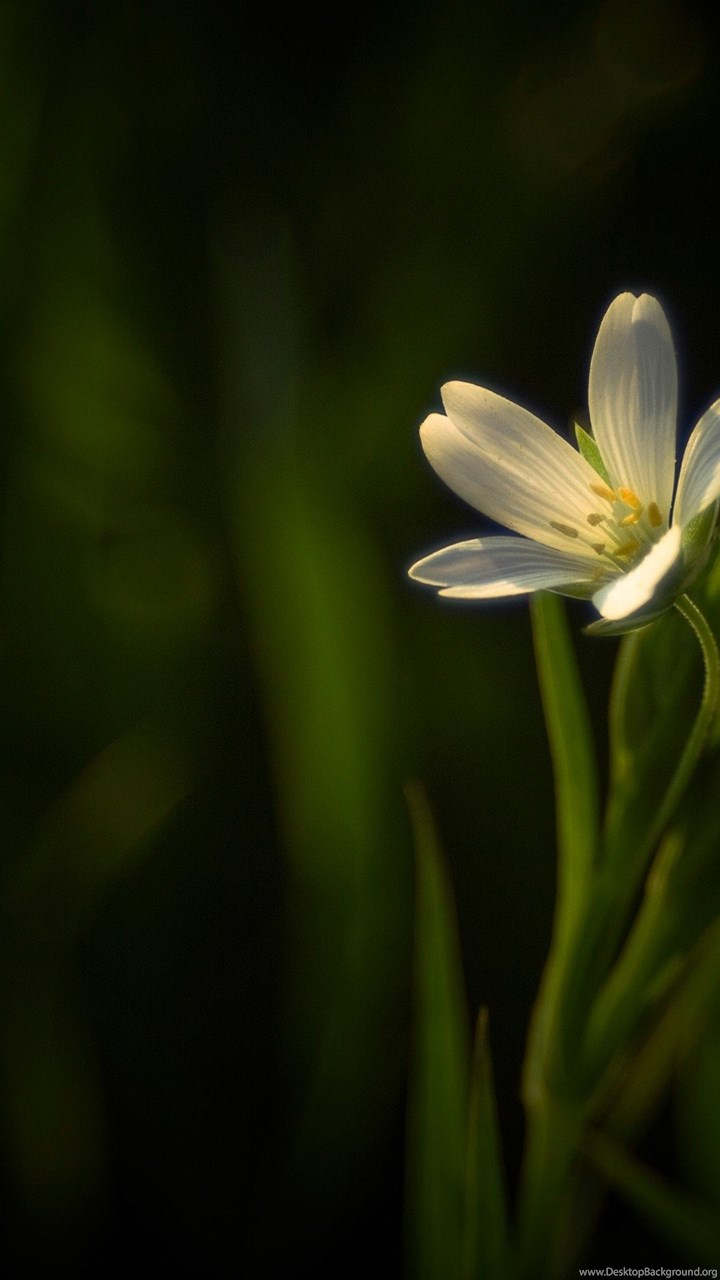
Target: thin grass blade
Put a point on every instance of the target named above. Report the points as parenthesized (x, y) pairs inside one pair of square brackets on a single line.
[(485, 1241), (687, 1225), (439, 1067)]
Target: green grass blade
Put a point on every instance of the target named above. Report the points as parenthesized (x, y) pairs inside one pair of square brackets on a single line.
[(485, 1241), (687, 1225), (439, 1067), (646, 1078), (318, 621)]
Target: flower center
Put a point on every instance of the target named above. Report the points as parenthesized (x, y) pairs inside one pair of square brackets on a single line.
[(625, 529)]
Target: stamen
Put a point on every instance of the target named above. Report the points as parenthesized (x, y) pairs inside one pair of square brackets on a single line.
[(599, 547), (564, 528), (631, 519), (603, 491), (626, 549), (595, 518), (654, 515), (630, 498)]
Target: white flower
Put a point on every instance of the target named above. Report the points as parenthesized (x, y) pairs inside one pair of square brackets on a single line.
[(595, 522)]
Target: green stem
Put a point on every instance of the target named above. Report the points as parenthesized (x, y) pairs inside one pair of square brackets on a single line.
[(588, 927), (624, 674), (703, 721), (577, 806), (690, 1226), (554, 1133), (624, 994), (555, 1121)]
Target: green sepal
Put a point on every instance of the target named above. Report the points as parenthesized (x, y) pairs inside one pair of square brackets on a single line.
[(624, 626), (590, 452)]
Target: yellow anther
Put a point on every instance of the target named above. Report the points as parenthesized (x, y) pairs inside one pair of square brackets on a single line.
[(631, 519), (603, 491), (595, 518), (564, 528), (599, 547), (626, 549), (630, 498), (654, 515)]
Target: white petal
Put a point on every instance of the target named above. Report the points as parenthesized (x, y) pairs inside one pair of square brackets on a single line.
[(509, 465), (497, 566), (635, 589), (699, 482), (633, 398)]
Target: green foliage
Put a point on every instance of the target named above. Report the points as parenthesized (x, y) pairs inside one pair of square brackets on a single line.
[(576, 801), (326, 685), (624, 995), (688, 1226), (485, 1253), (439, 1070), (234, 265)]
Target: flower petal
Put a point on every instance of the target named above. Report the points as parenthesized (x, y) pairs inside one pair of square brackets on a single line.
[(509, 465), (653, 582), (699, 483), (487, 567), (633, 398)]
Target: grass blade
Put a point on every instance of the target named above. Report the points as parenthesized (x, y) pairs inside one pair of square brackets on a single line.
[(687, 1225), (485, 1239), (439, 1067)]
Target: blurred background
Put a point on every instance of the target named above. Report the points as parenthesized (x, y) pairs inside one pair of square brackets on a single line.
[(241, 250)]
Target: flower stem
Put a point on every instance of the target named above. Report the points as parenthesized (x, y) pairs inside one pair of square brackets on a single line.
[(625, 671), (622, 997), (554, 1132), (560, 1104), (696, 619)]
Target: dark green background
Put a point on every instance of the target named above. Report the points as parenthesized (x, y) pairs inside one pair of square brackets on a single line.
[(241, 250)]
